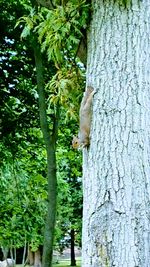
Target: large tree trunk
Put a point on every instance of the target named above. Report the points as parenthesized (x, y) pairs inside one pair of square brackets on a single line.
[(116, 168), (50, 143)]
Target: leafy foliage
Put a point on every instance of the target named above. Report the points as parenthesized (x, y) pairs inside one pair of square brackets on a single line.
[(23, 189), (23, 204), (65, 89), (59, 30)]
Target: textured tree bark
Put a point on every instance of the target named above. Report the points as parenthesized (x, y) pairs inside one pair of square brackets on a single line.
[(116, 168)]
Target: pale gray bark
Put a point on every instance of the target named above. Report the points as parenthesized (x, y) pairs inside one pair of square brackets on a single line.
[(7, 263), (24, 252), (116, 168), (37, 258)]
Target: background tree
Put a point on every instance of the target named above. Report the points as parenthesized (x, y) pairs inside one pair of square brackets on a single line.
[(59, 39), (19, 108), (69, 198), (23, 205), (116, 168), (20, 139)]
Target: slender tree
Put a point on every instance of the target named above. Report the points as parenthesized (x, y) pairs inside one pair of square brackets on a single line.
[(50, 142), (116, 167), (72, 236)]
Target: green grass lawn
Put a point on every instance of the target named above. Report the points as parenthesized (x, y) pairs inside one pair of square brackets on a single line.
[(66, 263), (62, 263)]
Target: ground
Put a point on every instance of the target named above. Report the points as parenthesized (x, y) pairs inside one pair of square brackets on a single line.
[(62, 263), (66, 263)]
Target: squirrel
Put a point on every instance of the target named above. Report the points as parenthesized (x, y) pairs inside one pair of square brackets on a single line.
[(83, 139)]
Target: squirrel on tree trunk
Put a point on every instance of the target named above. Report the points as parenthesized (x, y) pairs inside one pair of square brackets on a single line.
[(83, 139)]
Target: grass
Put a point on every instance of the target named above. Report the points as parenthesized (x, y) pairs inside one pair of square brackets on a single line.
[(66, 263), (62, 263)]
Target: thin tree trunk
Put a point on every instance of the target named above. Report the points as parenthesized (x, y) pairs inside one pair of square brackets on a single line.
[(116, 167), (50, 143), (11, 252), (30, 257), (5, 251), (73, 261), (15, 254), (37, 258), (24, 253)]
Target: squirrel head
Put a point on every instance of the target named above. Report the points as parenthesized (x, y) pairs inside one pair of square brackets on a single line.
[(75, 142)]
